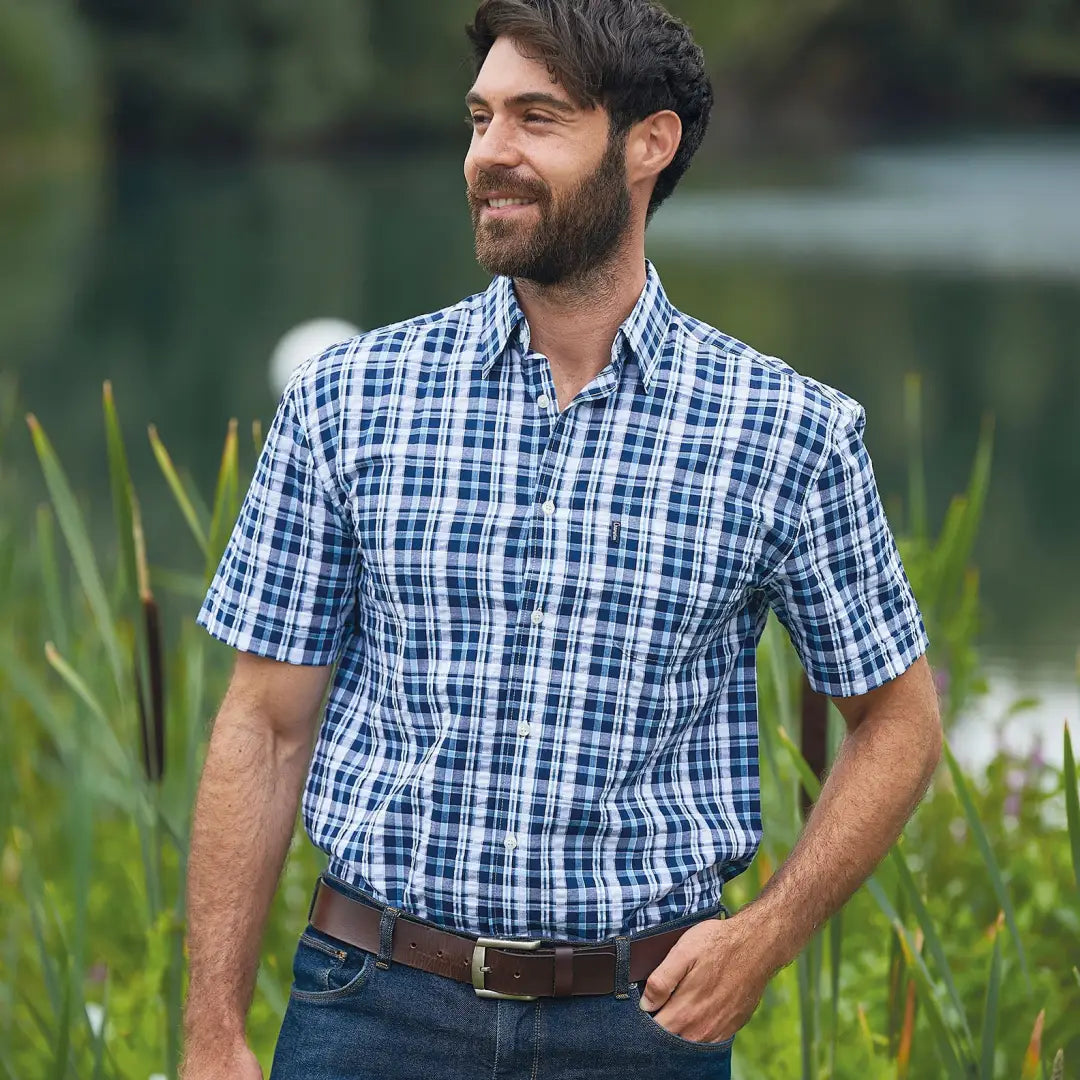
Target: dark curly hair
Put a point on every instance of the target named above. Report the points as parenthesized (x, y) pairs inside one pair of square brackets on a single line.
[(630, 56)]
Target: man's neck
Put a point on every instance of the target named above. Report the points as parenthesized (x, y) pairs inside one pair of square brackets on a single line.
[(574, 325)]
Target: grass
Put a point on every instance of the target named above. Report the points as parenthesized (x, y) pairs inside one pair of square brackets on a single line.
[(957, 959)]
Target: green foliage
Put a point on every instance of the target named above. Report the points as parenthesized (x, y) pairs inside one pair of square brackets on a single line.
[(271, 73), (261, 73), (48, 79), (914, 978)]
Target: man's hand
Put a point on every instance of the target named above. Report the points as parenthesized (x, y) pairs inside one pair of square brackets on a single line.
[(710, 982), (234, 1061), (713, 977)]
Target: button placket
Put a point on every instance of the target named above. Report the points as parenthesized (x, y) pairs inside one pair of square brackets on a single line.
[(537, 553)]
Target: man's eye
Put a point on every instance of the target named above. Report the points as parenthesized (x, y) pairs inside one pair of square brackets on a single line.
[(475, 118), (536, 118)]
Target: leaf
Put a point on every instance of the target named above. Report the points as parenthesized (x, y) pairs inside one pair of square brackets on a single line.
[(63, 1028), (50, 574), (864, 1027), (907, 1030), (990, 1012), (1072, 805), (807, 1040), (78, 542), (225, 503), (806, 774), (836, 935), (933, 940), (982, 841), (120, 483), (1033, 1056), (932, 1009), (183, 499), (110, 744), (975, 496)]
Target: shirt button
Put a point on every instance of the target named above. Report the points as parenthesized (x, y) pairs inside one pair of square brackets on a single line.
[(549, 507), (538, 615), (523, 728), (510, 842), (543, 401)]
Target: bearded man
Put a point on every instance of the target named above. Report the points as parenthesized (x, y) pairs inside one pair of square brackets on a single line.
[(529, 543)]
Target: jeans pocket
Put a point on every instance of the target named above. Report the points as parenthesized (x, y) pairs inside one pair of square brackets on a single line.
[(326, 969), (659, 1031)]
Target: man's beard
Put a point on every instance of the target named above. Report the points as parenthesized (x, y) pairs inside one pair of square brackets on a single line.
[(573, 237)]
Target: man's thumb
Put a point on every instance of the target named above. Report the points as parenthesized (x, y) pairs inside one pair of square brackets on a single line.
[(653, 994)]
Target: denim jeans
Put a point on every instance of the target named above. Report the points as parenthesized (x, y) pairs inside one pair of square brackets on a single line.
[(349, 1019)]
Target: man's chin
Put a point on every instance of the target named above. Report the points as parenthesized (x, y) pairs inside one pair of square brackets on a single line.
[(496, 259)]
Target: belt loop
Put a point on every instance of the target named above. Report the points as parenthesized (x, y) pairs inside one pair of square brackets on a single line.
[(386, 936), (622, 967)]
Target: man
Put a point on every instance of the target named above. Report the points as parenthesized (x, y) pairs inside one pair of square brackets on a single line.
[(539, 533)]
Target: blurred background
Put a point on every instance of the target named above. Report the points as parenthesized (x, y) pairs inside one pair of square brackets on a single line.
[(888, 187)]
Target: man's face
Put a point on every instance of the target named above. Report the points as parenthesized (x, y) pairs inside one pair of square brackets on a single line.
[(531, 144)]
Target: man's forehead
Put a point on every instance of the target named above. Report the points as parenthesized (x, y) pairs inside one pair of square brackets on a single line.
[(507, 76)]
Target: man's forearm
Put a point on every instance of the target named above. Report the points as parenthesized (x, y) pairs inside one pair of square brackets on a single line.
[(243, 821), (881, 772)]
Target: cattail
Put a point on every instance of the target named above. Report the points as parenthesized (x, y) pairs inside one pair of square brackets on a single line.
[(152, 707), (152, 727)]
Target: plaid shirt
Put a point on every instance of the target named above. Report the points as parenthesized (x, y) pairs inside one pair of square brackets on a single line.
[(543, 720)]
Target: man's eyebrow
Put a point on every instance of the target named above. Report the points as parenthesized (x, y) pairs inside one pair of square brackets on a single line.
[(520, 101)]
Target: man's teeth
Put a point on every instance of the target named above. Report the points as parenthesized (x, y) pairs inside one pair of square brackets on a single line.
[(497, 204)]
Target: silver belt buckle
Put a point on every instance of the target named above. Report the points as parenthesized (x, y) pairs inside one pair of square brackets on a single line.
[(479, 968)]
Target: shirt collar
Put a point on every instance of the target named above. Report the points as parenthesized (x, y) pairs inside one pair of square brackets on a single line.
[(643, 330)]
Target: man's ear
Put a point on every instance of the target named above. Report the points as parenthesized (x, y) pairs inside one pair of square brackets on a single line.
[(651, 144)]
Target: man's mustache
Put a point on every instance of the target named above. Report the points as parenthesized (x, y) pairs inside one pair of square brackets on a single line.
[(487, 184)]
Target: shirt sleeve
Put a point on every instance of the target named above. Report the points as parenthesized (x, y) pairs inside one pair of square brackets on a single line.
[(841, 592), (285, 586)]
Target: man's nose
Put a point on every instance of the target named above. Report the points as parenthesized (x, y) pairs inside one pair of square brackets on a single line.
[(494, 146)]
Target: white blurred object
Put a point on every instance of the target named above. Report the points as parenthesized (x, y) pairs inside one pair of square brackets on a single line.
[(304, 341), (96, 1015)]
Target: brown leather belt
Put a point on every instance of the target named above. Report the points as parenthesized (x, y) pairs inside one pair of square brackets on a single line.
[(496, 968)]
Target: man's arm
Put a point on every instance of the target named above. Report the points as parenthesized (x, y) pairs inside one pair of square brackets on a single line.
[(245, 811), (882, 770)]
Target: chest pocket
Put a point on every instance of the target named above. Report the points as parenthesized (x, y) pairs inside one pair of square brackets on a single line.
[(667, 573)]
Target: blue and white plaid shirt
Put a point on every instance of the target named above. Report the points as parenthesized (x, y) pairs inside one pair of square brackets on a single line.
[(543, 720)]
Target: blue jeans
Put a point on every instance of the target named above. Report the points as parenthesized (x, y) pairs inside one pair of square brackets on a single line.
[(348, 1019)]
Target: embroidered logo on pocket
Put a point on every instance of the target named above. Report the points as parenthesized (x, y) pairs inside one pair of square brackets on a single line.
[(615, 526)]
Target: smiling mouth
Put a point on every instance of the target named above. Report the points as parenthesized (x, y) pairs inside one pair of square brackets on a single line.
[(502, 204)]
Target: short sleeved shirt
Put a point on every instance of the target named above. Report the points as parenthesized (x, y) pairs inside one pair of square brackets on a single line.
[(542, 721)]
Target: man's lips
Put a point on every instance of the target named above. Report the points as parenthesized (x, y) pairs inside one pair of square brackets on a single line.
[(503, 203), (505, 208)]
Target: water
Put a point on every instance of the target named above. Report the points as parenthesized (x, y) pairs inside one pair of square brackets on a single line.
[(176, 280), (983, 208)]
